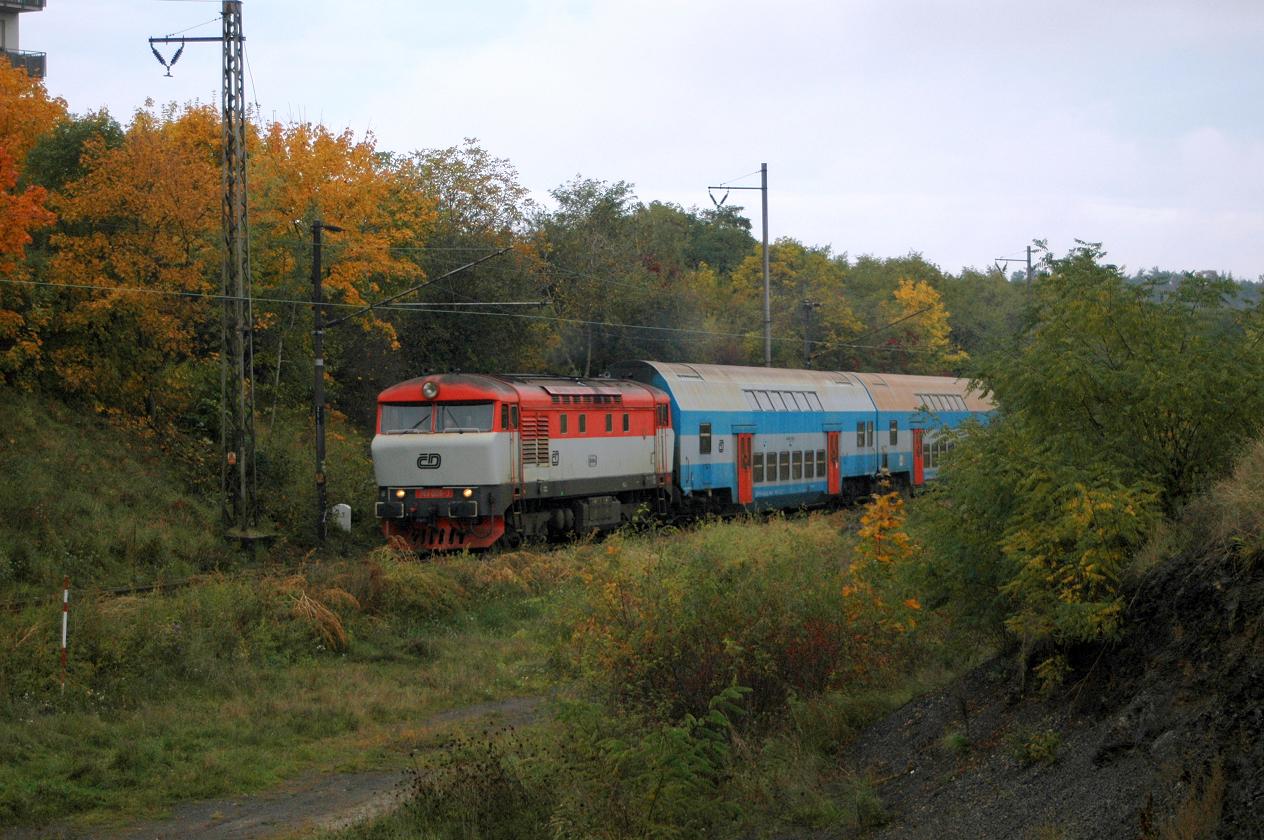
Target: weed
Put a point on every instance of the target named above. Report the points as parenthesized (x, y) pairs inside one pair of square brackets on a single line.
[(955, 743), (1034, 746)]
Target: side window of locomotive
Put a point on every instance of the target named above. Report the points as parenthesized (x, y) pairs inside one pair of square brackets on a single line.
[(625, 422), (796, 461), (398, 418), (757, 468), (609, 422), (504, 415), (513, 416), (784, 471), (704, 439), (895, 433), (583, 423), (562, 423)]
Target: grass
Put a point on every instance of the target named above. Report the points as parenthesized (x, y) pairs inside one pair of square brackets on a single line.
[(106, 758), (87, 499)]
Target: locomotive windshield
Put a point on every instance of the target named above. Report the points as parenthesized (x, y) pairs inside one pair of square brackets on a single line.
[(397, 417), (401, 418)]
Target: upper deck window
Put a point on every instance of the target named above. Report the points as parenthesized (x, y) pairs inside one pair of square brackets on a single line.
[(463, 417), (400, 417)]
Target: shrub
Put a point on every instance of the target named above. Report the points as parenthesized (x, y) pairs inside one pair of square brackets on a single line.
[(667, 626)]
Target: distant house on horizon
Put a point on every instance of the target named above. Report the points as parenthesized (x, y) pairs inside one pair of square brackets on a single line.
[(35, 63)]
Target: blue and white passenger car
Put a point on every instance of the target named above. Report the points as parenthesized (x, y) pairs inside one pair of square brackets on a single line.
[(775, 438)]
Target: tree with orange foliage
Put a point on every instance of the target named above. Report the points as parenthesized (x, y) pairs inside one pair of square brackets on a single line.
[(874, 591), (26, 114), (142, 232)]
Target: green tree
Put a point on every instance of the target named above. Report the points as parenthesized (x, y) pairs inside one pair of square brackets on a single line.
[(1117, 401), (796, 273)]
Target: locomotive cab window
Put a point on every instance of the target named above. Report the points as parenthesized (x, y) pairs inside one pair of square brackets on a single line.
[(757, 468), (704, 438), (504, 415), (513, 416), (399, 418)]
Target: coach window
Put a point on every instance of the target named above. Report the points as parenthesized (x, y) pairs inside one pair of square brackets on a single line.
[(820, 463), (869, 433), (895, 432), (704, 439), (757, 467), (583, 423), (609, 422), (860, 434), (784, 472), (809, 465), (796, 465)]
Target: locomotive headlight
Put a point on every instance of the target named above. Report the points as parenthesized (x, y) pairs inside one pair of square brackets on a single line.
[(401, 493), (430, 390), (467, 492)]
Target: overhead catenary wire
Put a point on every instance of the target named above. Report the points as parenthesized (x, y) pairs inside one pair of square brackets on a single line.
[(437, 309)]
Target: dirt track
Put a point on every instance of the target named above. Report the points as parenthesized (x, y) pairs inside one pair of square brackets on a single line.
[(301, 806)]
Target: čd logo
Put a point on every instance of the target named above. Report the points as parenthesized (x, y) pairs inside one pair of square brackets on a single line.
[(429, 461)]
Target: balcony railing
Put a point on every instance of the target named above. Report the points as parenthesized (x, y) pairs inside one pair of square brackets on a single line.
[(34, 63), (21, 5)]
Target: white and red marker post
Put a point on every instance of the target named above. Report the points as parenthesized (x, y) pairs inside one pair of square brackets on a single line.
[(65, 618)]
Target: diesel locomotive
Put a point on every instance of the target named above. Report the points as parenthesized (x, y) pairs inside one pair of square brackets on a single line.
[(467, 461)]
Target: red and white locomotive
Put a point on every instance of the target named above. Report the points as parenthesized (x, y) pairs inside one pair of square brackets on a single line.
[(469, 460)]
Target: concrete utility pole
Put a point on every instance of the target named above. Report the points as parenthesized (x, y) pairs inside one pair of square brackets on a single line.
[(807, 305), (1000, 260), (238, 482), (318, 382), (763, 188)]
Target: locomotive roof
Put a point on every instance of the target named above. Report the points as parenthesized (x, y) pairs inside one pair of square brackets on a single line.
[(525, 387)]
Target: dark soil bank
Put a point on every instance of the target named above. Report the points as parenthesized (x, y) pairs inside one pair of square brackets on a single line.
[(1160, 735)]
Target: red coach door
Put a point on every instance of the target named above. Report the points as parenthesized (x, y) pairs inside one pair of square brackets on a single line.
[(745, 487), (831, 458), (919, 473)]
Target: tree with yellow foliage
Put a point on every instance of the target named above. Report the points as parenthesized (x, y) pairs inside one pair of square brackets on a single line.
[(919, 339)]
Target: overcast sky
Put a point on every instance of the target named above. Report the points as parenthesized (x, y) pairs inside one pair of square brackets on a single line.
[(959, 129)]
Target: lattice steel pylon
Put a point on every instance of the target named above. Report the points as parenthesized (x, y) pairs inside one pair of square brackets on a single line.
[(237, 398), (238, 483)]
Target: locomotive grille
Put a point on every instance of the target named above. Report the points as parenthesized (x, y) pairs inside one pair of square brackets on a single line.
[(535, 440)]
